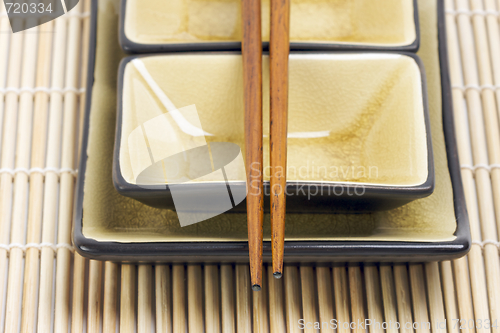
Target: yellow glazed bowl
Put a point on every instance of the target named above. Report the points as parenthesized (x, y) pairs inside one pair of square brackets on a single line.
[(161, 26), (358, 129)]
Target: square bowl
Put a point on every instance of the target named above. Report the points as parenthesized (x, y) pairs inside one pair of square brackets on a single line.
[(148, 26), (358, 131)]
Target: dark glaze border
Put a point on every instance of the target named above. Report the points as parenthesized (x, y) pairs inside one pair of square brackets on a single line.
[(375, 197), (132, 47), (318, 252)]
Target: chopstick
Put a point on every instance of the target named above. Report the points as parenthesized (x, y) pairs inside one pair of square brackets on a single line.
[(279, 48), (252, 75)]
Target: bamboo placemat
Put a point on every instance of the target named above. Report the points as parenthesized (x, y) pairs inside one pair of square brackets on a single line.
[(45, 286)]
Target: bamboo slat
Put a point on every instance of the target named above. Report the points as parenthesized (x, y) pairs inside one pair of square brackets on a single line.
[(325, 299), (128, 299), (95, 300), (493, 35), (357, 299), (110, 299), (260, 305), (435, 294), (342, 303), (50, 203), (374, 299), (212, 299), (420, 314), (310, 311), (33, 232), (464, 292), (450, 300), (243, 299), (276, 303), (195, 301), (79, 263), (403, 298), (6, 181), (26, 73), (144, 302), (293, 304), (227, 298), (66, 187), (389, 297), (4, 197), (163, 289), (179, 299), (47, 287)]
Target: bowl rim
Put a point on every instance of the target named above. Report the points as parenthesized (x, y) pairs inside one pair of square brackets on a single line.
[(132, 47), (327, 253)]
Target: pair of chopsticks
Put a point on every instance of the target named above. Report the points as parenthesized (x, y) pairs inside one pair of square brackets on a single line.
[(279, 47)]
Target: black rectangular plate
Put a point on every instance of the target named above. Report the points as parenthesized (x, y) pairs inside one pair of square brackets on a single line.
[(318, 252)]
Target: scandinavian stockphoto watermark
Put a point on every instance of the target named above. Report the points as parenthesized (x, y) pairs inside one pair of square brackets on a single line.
[(461, 324), (26, 14), (322, 176)]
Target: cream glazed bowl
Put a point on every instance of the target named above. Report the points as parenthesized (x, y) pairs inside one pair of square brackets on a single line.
[(358, 134), (148, 26)]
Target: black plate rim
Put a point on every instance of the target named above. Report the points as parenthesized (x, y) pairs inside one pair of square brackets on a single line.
[(297, 251)]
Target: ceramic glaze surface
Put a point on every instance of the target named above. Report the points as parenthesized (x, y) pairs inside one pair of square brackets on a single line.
[(369, 22), (354, 118)]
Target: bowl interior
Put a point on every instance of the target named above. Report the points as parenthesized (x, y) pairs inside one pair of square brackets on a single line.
[(353, 118), (368, 22)]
